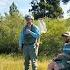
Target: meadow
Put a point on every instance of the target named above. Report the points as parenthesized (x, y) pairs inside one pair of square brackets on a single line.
[(8, 62), (10, 28)]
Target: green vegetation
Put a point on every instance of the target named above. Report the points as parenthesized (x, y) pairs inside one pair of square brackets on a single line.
[(65, 1), (15, 62), (49, 8), (11, 25), (51, 42)]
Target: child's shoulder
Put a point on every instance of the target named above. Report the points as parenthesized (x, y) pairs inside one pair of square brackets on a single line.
[(67, 44)]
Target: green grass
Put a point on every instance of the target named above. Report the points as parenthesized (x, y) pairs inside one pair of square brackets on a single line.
[(8, 62)]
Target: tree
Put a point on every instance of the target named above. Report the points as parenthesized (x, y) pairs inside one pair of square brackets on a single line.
[(35, 9), (10, 27), (13, 9), (65, 1), (52, 6), (1, 18), (49, 8)]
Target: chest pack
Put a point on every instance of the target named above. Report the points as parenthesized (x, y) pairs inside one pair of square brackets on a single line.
[(28, 38)]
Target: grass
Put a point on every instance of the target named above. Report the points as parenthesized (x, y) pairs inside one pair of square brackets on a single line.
[(8, 62)]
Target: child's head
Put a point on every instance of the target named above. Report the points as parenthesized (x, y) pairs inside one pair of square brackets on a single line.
[(66, 37)]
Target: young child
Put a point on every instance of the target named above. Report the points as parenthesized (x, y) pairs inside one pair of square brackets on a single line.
[(61, 62)]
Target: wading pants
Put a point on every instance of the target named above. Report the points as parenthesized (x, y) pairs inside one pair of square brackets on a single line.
[(30, 53)]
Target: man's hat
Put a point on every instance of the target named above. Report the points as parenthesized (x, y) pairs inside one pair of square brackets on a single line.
[(27, 17), (67, 34)]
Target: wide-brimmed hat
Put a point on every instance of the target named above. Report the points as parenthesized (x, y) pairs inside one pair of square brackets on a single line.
[(67, 34)]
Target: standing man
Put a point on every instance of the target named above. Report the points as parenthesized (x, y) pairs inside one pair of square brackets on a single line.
[(29, 40)]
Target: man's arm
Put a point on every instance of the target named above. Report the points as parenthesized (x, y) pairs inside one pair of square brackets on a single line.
[(36, 33)]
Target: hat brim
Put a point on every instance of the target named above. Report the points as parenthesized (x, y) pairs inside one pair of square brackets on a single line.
[(29, 19), (65, 35)]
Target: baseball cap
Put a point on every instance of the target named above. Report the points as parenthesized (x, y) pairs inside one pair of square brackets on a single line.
[(27, 17)]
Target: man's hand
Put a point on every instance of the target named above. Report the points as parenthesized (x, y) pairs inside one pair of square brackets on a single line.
[(37, 44), (20, 50), (28, 31)]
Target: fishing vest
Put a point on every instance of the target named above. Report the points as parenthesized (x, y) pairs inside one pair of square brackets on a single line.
[(28, 38)]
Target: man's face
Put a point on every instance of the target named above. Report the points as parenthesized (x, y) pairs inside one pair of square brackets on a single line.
[(29, 21)]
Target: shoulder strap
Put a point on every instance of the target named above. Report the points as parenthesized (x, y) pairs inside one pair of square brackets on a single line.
[(32, 27), (24, 28)]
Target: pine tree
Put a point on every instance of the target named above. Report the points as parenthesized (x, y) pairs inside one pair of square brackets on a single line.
[(52, 7), (35, 8), (65, 1), (13, 9), (49, 8), (1, 18)]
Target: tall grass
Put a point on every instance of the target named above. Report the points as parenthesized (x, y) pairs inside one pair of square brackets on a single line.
[(8, 62)]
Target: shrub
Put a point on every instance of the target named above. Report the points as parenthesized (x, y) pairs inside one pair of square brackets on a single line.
[(52, 41)]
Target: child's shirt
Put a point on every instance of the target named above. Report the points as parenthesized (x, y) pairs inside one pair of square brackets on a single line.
[(66, 48)]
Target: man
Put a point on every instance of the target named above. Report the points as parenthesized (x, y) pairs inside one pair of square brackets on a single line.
[(62, 61), (29, 41)]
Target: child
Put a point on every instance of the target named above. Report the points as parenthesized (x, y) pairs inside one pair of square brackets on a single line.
[(61, 62)]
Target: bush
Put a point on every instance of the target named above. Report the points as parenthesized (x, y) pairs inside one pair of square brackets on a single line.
[(10, 28), (52, 41)]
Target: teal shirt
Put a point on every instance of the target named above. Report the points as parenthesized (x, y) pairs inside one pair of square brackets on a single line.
[(35, 34), (66, 48)]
